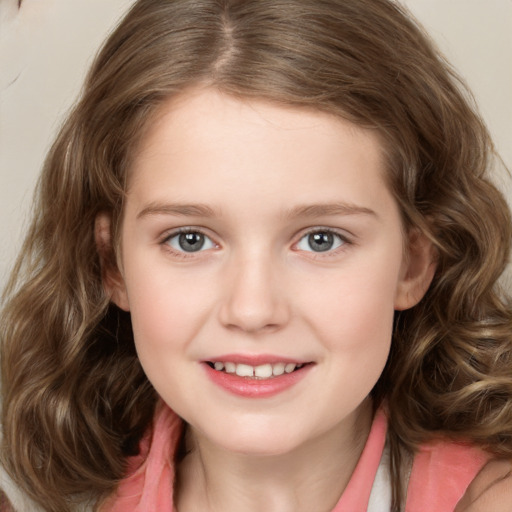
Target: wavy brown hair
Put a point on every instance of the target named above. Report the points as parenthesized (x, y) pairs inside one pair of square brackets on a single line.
[(75, 399)]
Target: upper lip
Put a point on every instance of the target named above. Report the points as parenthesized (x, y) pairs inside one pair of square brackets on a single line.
[(255, 359)]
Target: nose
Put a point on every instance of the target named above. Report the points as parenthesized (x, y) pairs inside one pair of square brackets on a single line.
[(255, 296)]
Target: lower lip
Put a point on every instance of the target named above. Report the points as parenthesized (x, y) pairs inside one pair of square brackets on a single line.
[(256, 388)]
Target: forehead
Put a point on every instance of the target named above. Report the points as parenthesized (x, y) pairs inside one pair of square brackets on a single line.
[(205, 146), (256, 165), (244, 134)]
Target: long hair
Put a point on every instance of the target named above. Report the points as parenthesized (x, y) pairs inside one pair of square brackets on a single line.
[(75, 399)]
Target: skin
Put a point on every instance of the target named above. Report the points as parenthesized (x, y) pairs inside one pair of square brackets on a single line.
[(265, 177), (490, 490)]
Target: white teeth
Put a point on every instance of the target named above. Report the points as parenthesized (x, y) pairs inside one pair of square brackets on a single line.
[(278, 369), (244, 370), (290, 367), (264, 371), (230, 367)]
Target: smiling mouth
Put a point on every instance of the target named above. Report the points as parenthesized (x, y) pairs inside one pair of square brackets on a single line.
[(263, 371)]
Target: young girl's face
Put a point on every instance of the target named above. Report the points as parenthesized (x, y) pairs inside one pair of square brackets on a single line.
[(260, 239)]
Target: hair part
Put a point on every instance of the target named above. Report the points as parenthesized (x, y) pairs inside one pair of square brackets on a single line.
[(75, 398)]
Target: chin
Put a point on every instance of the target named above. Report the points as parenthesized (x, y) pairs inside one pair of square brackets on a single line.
[(260, 441)]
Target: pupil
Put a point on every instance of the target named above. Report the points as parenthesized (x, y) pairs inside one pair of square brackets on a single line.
[(321, 241), (191, 242)]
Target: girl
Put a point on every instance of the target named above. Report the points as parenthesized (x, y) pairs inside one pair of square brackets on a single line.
[(263, 274)]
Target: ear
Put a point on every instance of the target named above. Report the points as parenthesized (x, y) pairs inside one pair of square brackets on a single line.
[(417, 270), (113, 281)]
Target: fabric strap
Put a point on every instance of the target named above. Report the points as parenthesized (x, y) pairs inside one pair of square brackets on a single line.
[(440, 474)]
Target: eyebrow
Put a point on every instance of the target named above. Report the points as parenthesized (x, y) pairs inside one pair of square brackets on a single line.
[(308, 211), (328, 209), (185, 210)]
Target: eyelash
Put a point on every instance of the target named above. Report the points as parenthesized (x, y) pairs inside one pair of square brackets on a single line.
[(342, 238), (184, 231)]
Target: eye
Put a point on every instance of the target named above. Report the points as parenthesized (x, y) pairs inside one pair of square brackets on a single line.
[(190, 241), (320, 241)]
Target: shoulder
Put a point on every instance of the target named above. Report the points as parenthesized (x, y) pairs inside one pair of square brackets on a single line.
[(461, 478), (12, 498), (5, 505), (491, 489), (441, 473)]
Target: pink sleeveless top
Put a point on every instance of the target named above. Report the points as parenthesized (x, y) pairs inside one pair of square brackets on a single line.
[(440, 475)]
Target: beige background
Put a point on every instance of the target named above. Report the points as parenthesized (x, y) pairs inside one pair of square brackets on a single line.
[(46, 46)]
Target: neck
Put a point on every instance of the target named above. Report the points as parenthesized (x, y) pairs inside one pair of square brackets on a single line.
[(311, 477)]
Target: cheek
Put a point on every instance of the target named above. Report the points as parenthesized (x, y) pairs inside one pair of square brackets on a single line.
[(167, 308), (355, 308), (357, 336), (353, 319), (162, 330)]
